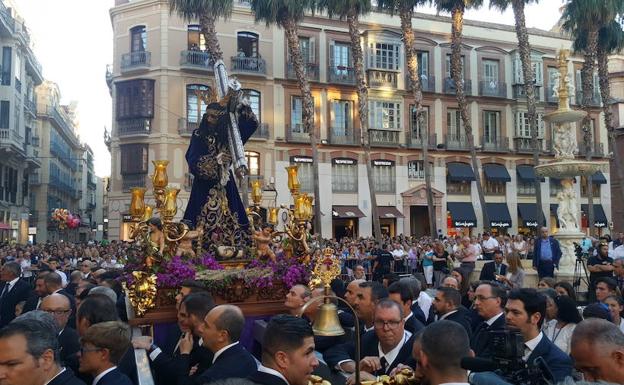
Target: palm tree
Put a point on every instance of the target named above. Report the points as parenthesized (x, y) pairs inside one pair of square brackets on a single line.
[(351, 11), (457, 9), (583, 19), (287, 14), (524, 49), (207, 12), (405, 9)]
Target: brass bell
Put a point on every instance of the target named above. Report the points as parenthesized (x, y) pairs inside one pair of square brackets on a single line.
[(326, 322)]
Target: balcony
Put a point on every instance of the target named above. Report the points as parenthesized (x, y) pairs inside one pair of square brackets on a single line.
[(34, 179), (11, 140), (449, 86), (133, 127), (594, 101), (457, 144), (7, 20), (340, 136), (525, 145), (196, 61), (32, 157), (415, 141), (248, 65), (109, 76), (262, 132), (136, 61), (497, 144), (384, 138), (493, 89), (341, 75), (296, 134), (62, 123), (597, 150), (186, 128), (30, 106), (132, 180), (311, 71), (381, 78), (519, 92), (427, 83)]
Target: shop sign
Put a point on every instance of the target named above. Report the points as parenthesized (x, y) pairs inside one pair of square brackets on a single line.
[(464, 224), (301, 159), (345, 161), (381, 162), (500, 224), (530, 223)]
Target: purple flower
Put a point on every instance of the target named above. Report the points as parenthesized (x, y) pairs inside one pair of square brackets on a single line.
[(175, 272)]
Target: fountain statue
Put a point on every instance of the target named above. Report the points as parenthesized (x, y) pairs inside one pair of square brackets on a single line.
[(565, 167)]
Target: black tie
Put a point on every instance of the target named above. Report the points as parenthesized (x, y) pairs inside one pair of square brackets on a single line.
[(384, 364)]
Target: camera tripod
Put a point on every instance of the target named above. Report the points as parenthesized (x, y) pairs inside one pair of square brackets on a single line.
[(580, 276)]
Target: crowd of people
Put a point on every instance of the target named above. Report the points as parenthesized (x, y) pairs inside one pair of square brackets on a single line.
[(415, 303)]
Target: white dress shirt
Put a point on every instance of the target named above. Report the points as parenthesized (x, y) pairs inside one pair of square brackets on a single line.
[(99, 376), (493, 319), (218, 353), (57, 374), (530, 345), (274, 372), (424, 301), (447, 314), (392, 354)]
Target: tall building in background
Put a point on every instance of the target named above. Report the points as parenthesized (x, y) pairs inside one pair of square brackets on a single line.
[(160, 78), (20, 73)]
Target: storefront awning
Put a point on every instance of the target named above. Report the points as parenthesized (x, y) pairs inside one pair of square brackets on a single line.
[(5, 226), (462, 214), (599, 178), (496, 172), (347, 212), (498, 214), (389, 212), (526, 173), (460, 172), (600, 218), (528, 212)]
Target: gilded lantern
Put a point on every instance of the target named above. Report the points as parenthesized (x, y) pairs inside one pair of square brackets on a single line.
[(171, 205), (293, 179), (160, 179), (273, 215), (137, 203), (148, 213)]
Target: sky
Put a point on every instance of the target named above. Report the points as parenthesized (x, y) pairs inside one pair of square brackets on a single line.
[(73, 41)]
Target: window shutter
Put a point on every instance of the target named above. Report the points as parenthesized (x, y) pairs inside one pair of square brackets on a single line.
[(425, 63), (312, 53), (332, 62), (579, 84)]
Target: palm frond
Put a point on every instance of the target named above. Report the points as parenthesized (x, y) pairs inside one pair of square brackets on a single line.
[(193, 9)]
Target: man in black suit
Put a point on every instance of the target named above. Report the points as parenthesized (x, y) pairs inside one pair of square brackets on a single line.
[(382, 349), (401, 293), (59, 307), (221, 332), (489, 301), (54, 284), (491, 269), (525, 310), (287, 352), (103, 346), (447, 305), (34, 300), (32, 344), (14, 291)]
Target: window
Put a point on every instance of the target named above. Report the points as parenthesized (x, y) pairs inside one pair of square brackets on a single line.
[(526, 188), (422, 57), (385, 115), (253, 162), (7, 57), (340, 57), (18, 69), (254, 101), (247, 44), (490, 72), (197, 96), (491, 130), (306, 172), (384, 56), (523, 129), (595, 188), (196, 41), (417, 130), (416, 169), (135, 99), (457, 188), (5, 108), (344, 175), (296, 115), (455, 125), (555, 186), (138, 39), (448, 66), (384, 176), (134, 158), (494, 187), (8, 190), (306, 46), (341, 118), (518, 74)]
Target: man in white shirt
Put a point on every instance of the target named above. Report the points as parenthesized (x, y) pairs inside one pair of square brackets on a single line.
[(443, 345), (489, 245)]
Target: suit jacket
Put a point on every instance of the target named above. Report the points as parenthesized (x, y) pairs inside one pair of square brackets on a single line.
[(554, 247), (71, 322), (69, 341), (66, 378), (560, 364), (170, 367), (263, 378), (234, 362), (369, 347), (31, 303), (481, 338), (488, 272), (418, 312), (128, 367), (18, 293), (114, 377), (462, 317), (413, 325)]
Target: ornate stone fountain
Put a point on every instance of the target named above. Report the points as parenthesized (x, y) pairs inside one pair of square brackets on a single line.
[(565, 167)]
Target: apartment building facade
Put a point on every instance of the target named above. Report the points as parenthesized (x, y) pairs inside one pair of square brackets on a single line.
[(161, 76), (19, 75)]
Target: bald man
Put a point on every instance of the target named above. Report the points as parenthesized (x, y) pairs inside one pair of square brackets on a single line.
[(59, 307), (221, 331)]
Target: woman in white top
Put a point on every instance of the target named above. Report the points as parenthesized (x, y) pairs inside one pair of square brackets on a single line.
[(559, 331), (616, 307), (520, 246)]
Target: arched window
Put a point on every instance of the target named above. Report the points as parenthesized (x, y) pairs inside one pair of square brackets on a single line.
[(196, 102), (248, 44), (196, 41), (254, 101), (138, 39)]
